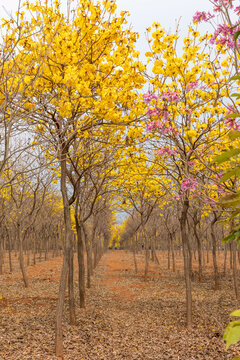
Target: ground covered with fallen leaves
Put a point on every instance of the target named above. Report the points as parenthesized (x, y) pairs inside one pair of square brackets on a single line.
[(125, 318)]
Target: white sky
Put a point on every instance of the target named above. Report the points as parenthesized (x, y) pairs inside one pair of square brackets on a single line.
[(145, 12)]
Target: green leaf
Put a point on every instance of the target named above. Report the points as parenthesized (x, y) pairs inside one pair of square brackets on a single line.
[(232, 333), (236, 358), (234, 214), (226, 156), (235, 77), (236, 35), (228, 238), (235, 313), (236, 95), (234, 134), (230, 173), (233, 203), (234, 115)]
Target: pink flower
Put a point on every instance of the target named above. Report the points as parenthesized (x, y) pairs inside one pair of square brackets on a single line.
[(192, 85), (166, 150), (177, 197), (189, 184), (231, 122), (237, 10), (210, 201), (150, 126), (170, 96), (149, 97), (202, 16)]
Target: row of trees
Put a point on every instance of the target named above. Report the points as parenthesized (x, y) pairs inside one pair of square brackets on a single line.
[(80, 137)]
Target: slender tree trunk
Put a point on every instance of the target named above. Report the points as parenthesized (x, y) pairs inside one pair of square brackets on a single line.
[(225, 260), (207, 250), (134, 256), (172, 251), (66, 258), (21, 259), (89, 257), (72, 311), (146, 262), (10, 253), (190, 256), (187, 266), (1, 257), (199, 248), (235, 280), (155, 255), (231, 256), (214, 255), (81, 267), (147, 255), (34, 250), (168, 249)]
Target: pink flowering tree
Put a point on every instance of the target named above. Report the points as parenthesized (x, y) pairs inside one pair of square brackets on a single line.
[(186, 103)]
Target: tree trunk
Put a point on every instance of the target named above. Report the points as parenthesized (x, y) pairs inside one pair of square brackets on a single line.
[(146, 255), (231, 256), (66, 259), (214, 255), (169, 259), (134, 256), (10, 253), (172, 251), (199, 248), (235, 281), (81, 268), (72, 311), (1, 257), (187, 266), (225, 260), (21, 259), (89, 257)]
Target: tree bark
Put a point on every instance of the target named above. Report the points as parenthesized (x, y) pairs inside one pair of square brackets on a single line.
[(187, 265), (199, 248), (66, 257), (21, 259), (214, 254), (81, 267), (72, 311), (234, 269)]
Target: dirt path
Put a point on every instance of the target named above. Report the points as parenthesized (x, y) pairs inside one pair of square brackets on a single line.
[(126, 318)]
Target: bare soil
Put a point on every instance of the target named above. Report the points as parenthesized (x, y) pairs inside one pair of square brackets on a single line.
[(125, 318)]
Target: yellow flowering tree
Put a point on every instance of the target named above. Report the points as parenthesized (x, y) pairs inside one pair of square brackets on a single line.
[(86, 73), (186, 104)]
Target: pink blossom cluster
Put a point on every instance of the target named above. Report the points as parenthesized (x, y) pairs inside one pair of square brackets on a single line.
[(221, 189), (202, 16), (237, 10), (163, 127), (220, 3), (210, 201), (230, 122), (189, 184), (224, 35), (191, 163), (170, 96), (177, 197), (166, 150), (147, 98), (153, 111), (192, 85)]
